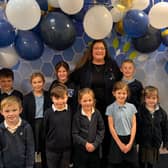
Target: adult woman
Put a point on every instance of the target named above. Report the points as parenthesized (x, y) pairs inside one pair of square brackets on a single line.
[(98, 71)]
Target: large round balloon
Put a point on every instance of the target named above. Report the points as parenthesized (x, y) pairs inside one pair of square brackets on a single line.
[(28, 45), (71, 7), (57, 31), (135, 23), (98, 22), (7, 33), (158, 15), (8, 57), (140, 4), (23, 14), (149, 42)]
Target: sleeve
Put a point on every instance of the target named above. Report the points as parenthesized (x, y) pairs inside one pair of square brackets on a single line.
[(100, 131), (1, 148), (30, 151), (164, 126), (109, 110), (77, 139)]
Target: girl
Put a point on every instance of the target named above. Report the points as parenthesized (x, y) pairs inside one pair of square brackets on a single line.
[(122, 126), (87, 131), (62, 72), (34, 105), (152, 128)]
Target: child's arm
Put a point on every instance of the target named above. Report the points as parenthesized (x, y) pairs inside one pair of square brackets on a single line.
[(114, 134), (133, 132), (30, 151), (100, 131), (77, 138)]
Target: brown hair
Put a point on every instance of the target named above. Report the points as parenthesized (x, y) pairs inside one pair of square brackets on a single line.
[(37, 74), (10, 100), (128, 61), (7, 73), (88, 53), (59, 90), (62, 64), (150, 91), (121, 85), (84, 91)]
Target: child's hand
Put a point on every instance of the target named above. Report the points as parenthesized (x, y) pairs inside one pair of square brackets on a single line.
[(122, 147), (127, 148), (89, 147)]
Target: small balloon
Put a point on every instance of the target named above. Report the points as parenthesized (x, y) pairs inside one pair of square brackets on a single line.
[(119, 28), (8, 57), (117, 14), (135, 23), (98, 22), (122, 5), (165, 37), (28, 45), (57, 31), (149, 42), (71, 7), (7, 33)]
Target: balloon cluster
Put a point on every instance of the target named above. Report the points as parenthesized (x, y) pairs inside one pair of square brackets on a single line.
[(27, 25)]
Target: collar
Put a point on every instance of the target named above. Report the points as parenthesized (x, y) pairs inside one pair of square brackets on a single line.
[(12, 129), (156, 108), (56, 109), (83, 113), (120, 106), (8, 93), (128, 81)]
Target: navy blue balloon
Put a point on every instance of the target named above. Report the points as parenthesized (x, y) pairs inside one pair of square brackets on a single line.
[(7, 33), (135, 23), (43, 4), (57, 31), (149, 42), (28, 45)]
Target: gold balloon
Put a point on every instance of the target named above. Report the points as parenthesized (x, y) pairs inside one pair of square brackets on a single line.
[(165, 32), (119, 27), (124, 5)]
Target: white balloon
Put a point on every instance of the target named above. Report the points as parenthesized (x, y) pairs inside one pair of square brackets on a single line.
[(158, 15), (23, 14), (8, 57), (53, 3), (98, 22), (71, 7), (140, 4), (117, 14)]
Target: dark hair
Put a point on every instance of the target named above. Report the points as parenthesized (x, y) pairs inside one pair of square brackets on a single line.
[(58, 90), (6, 72), (88, 53)]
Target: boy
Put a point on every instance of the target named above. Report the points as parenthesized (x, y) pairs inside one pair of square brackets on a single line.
[(16, 137), (6, 83), (57, 122), (135, 86)]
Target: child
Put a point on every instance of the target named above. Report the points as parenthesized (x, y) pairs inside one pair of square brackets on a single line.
[(6, 83), (57, 123), (152, 128), (16, 137), (34, 105), (135, 86), (88, 131), (62, 72), (122, 125)]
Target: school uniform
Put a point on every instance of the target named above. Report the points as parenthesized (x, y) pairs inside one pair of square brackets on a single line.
[(16, 147), (87, 130), (122, 118)]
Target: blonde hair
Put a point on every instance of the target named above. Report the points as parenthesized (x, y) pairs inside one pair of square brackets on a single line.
[(37, 74), (10, 100), (84, 91), (150, 91), (59, 90), (121, 85)]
